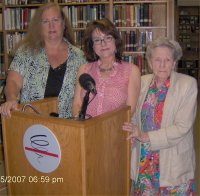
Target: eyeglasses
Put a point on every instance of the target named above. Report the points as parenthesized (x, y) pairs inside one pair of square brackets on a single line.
[(106, 39), (53, 20)]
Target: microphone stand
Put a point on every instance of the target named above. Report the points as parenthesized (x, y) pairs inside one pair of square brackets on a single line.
[(84, 106)]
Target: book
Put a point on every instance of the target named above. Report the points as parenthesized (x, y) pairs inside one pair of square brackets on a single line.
[(1, 22), (146, 14)]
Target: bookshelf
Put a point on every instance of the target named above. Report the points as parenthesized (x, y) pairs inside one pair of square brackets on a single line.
[(2, 53), (188, 35), (80, 13), (17, 15), (156, 18), (140, 22)]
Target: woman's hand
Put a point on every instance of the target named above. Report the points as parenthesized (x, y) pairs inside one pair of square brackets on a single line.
[(135, 133), (7, 107)]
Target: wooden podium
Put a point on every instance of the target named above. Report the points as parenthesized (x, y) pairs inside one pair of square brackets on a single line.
[(94, 154)]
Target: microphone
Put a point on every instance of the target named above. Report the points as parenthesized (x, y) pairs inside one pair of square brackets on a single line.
[(88, 83)]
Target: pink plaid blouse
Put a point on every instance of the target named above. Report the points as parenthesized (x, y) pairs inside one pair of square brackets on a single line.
[(112, 92)]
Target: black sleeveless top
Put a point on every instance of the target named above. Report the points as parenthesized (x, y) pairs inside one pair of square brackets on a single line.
[(55, 80)]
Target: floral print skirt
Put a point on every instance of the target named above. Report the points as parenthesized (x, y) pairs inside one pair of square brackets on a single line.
[(148, 179)]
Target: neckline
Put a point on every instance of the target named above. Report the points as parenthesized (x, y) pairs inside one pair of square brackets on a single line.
[(103, 70), (62, 65)]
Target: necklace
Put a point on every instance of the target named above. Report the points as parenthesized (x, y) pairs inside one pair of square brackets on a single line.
[(105, 69)]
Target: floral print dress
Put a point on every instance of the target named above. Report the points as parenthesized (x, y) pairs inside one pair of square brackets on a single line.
[(148, 178)]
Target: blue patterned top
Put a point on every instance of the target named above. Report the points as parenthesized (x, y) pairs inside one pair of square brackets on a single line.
[(35, 68)]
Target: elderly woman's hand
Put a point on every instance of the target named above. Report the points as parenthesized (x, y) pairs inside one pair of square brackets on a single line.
[(6, 107), (135, 133)]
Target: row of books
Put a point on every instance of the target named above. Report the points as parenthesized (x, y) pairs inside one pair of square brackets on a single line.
[(2, 96), (136, 40), (188, 64), (138, 60), (143, 0), (80, 1), (24, 2), (81, 15), (184, 38), (1, 21), (191, 20), (18, 18), (188, 29), (79, 38), (133, 40), (1, 43), (69, 1), (12, 40), (129, 15), (188, 38), (2, 71)]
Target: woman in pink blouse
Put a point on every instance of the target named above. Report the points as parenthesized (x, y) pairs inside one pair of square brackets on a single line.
[(117, 82)]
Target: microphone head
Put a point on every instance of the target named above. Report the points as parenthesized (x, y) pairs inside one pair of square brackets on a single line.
[(87, 82)]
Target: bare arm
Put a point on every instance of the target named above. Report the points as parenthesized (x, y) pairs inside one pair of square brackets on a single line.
[(77, 101), (13, 86), (134, 87)]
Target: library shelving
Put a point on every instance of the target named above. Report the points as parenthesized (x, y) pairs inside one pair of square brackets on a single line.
[(16, 17), (80, 13), (2, 52), (138, 22), (188, 35)]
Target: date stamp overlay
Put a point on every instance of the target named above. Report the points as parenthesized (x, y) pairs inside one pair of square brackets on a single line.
[(31, 179)]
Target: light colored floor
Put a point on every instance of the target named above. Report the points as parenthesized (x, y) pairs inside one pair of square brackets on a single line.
[(3, 191)]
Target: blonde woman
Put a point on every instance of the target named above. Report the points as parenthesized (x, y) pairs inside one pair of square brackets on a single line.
[(45, 64)]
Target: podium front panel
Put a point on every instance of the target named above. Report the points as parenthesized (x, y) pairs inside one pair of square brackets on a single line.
[(94, 156)]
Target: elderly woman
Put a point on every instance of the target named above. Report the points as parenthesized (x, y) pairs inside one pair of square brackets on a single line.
[(163, 157)]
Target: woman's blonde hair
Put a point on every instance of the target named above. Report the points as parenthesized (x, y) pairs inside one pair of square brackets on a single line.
[(34, 39)]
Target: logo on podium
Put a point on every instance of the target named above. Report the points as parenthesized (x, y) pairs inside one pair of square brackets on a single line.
[(41, 148)]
